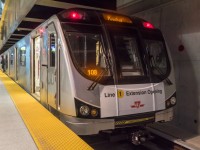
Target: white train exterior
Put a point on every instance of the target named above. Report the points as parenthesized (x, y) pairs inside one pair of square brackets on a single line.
[(97, 70)]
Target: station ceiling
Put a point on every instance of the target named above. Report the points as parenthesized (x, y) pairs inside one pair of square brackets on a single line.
[(43, 9), (131, 7)]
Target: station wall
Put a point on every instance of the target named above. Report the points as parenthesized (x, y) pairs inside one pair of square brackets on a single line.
[(180, 24), (13, 13)]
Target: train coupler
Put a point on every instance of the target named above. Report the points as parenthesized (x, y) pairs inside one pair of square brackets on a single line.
[(140, 136)]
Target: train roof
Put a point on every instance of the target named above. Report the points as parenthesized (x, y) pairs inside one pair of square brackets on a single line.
[(91, 16)]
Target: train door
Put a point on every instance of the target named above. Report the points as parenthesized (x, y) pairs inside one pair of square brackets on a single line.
[(12, 59), (44, 68), (52, 66), (48, 77), (36, 63), (18, 63), (15, 58), (7, 63)]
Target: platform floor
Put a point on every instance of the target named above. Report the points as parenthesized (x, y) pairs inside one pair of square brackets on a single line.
[(13, 132), (26, 125)]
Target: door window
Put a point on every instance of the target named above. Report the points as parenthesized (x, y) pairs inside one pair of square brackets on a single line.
[(52, 49), (22, 53), (52, 45)]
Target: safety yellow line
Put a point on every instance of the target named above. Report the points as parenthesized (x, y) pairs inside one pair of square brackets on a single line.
[(47, 131)]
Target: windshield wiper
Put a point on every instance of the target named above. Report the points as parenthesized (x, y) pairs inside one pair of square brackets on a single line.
[(168, 81), (97, 79)]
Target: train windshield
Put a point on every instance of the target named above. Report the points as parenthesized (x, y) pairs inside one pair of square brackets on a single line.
[(89, 54), (128, 54), (157, 57), (128, 57)]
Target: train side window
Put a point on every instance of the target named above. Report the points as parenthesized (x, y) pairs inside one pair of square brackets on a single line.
[(11, 58), (6, 62), (52, 49), (52, 44), (22, 56)]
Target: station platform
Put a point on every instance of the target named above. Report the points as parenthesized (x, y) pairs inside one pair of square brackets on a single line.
[(26, 124)]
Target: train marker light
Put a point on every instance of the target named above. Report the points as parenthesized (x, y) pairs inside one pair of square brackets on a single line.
[(94, 112), (148, 25), (116, 18), (75, 15), (168, 103), (173, 100), (41, 31)]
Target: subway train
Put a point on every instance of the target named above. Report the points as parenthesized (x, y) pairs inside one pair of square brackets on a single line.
[(96, 70)]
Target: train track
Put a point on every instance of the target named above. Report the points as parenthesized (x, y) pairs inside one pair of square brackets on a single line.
[(99, 142)]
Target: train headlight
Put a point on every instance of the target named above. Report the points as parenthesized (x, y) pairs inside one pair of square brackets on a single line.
[(84, 110), (173, 100), (88, 111), (170, 102)]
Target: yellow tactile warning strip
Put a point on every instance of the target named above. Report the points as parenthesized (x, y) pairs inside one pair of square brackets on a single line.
[(47, 131)]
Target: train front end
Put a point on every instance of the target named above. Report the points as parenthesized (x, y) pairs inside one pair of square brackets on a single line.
[(121, 71)]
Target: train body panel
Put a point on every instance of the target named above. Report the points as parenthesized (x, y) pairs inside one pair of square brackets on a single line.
[(81, 90), (97, 70), (170, 89), (67, 85)]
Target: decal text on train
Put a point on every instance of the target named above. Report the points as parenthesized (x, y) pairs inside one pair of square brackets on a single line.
[(128, 93), (154, 92), (120, 93), (109, 94)]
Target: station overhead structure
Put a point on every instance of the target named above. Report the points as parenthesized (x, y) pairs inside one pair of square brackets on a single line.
[(20, 17)]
